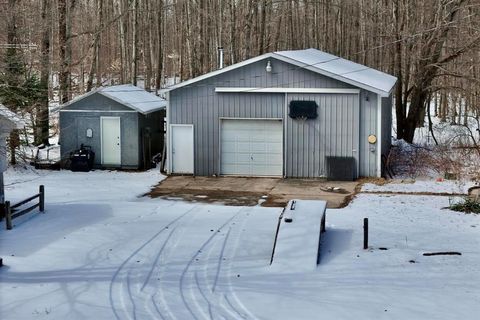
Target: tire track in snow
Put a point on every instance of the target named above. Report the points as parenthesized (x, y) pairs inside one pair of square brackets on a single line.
[(160, 269), (192, 280), (228, 267), (205, 287), (184, 274), (148, 299), (215, 300), (119, 270)]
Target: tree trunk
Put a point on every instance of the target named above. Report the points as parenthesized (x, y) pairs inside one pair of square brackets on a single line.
[(43, 124), (68, 46), (63, 76), (94, 68), (160, 17), (13, 72), (135, 43), (261, 36)]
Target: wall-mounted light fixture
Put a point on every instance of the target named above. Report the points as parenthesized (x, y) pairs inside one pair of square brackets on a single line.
[(268, 68)]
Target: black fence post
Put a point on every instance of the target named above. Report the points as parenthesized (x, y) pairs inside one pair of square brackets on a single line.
[(41, 192), (365, 233), (8, 215)]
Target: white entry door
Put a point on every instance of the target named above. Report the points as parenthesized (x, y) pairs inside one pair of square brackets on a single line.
[(251, 147), (111, 144), (182, 148)]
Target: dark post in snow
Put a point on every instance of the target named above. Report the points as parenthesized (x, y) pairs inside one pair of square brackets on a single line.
[(41, 192), (8, 215), (365, 233)]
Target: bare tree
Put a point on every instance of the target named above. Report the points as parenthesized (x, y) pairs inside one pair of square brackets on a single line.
[(42, 111)]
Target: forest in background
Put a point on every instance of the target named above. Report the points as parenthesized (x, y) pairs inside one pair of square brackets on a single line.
[(53, 50)]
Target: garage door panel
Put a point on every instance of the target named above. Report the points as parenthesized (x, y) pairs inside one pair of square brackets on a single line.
[(260, 170), (229, 157), (252, 147), (258, 147), (242, 169), (243, 157), (274, 138), (273, 160), (276, 148), (242, 147), (259, 158), (269, 170), (257, 139)]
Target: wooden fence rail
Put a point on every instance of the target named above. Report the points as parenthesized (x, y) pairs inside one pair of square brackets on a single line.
[(12, 211)]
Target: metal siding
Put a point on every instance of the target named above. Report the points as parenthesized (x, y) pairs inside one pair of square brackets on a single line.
[(368, 126), (208, 109), (74, 124), (309, 142), (306, 145), (3, 149), (97, 101)]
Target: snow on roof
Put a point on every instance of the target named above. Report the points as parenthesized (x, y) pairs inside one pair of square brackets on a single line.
[(129, 95), (11, 116), (323, 63), (343, 70)]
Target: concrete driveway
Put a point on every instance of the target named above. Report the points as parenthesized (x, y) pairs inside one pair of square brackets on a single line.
[(242, 191)]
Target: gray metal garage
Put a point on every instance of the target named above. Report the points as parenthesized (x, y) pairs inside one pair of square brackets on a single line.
[(302, 113), (123, 124)]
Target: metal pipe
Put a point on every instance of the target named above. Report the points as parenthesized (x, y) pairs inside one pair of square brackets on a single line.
[(220, 57)]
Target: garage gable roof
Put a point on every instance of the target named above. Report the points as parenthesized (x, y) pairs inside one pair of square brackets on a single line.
[(320, 62), (130, 96), (12, 117)]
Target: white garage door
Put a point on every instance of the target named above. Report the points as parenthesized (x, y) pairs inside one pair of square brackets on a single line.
[(252, 147)]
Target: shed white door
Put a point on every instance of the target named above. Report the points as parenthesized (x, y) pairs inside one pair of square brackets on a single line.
[(111, 144), (182, 148), (251, 147)]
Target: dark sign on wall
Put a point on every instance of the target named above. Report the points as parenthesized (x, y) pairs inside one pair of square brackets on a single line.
[(303, 109)]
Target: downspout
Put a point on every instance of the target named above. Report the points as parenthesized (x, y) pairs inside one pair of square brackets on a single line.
[(168, 138), (379, 136), (285, 118)]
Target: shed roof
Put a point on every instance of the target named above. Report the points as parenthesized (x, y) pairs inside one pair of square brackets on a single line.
[(130, 96), (323, 63), (16, 121)]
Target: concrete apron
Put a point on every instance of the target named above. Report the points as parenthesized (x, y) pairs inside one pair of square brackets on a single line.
[(246, 191)]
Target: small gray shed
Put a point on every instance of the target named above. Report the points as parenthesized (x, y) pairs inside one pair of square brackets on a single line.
[(302, 114), (8, 122), (123, 124)]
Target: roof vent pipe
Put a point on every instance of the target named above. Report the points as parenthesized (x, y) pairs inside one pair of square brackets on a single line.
[(220, 57)]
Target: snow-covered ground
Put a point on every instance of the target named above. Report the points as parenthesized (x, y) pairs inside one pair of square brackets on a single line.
[(102, 252), (440, 186)]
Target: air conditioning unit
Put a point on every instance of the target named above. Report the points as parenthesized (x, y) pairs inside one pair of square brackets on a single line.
[(341, 168)]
